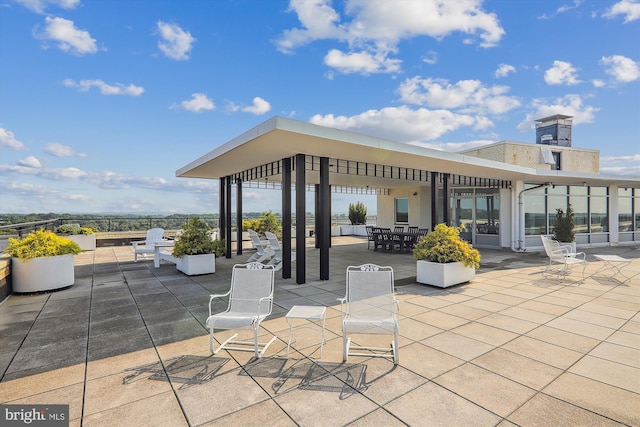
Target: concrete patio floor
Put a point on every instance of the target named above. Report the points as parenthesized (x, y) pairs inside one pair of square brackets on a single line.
[(127, 346)]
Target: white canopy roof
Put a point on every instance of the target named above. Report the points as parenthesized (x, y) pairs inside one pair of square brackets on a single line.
[(279, 138)]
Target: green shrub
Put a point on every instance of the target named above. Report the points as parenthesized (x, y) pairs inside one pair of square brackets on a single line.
[(251, 224), (357, 213), (444, 245), (41, 243), (71, 229), (267, 222), (196, 239)]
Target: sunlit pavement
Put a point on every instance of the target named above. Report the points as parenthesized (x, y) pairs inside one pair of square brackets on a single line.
[(127, 346)]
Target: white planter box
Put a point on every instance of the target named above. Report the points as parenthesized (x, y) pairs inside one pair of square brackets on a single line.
[(42, 274), (346, 230), (87, 242), (360, 230), (196, 264), (443, 275), (335, 231)]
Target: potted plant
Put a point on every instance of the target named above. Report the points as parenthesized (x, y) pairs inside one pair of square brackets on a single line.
[(42, 261), (195, 249), (563, 230), (358, 219), (444, 259), (85, 237)]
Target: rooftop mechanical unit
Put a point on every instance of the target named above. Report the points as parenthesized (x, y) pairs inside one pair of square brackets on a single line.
[(554, 130)]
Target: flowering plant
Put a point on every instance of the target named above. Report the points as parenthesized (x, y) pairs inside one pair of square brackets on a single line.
[(41, 243), (444, 245)]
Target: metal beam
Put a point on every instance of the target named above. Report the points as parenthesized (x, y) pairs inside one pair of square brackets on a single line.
[(301, 254), (325, 217), (239, 217), (228, 215), (286, 218)]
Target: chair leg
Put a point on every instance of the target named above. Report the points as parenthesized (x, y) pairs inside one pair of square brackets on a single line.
[(345, 348), (396, 355)]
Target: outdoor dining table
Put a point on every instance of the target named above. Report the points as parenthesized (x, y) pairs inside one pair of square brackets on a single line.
[(395, 237)]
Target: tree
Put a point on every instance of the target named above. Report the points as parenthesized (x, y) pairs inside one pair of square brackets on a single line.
[(357, 213), (564, 225)]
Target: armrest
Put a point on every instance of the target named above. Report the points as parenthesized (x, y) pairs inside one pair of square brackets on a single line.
[(212, 296), (139, 243)]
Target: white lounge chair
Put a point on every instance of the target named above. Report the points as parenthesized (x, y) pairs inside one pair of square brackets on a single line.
[(276, 261), (263, 251), (370, 307), (250, 302), (561, 258), (148, 246)]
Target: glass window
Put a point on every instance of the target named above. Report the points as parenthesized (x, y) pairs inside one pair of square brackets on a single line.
[(579, 204), (402, 211), (625, 215), (556, 159), (557, 200), (487, 213), (636, 209), (599, 207), (534, 216)]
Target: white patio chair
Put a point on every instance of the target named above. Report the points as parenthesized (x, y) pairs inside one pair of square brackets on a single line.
[(370, 307), (250, 302), (561, 258), (276, 261), (263, 251), (147, 246)]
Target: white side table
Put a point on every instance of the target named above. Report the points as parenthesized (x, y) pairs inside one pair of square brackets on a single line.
[(313, 313), (615, 263)]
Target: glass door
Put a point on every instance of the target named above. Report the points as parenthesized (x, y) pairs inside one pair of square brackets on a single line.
[(463, 215)]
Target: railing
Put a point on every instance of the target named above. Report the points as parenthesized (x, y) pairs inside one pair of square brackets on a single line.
[(20, 228), (131, 223)]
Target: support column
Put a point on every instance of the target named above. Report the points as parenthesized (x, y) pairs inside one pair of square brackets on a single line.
[(316, 214), (239, 217), (222, 223), (325, 217), (286, 218), (434, 200), (301, 253), (228, 214), (445, 198)]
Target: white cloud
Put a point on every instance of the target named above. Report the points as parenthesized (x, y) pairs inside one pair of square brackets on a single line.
[(470, 96), (39, 6), (621, 165), (566, 7), (175, 42), (259, 107), (374, 28), (105, 89), (431, 57), (67, 36), (8, 139), (59, 150), (629, 8), (504, 70), (30, 162), (361, 62), (399, 123), (623, 69), (570, 105), (197, 103), (561, 73), (598, 83)]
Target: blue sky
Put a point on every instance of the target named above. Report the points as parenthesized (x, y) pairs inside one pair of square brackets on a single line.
[(102, 101)]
